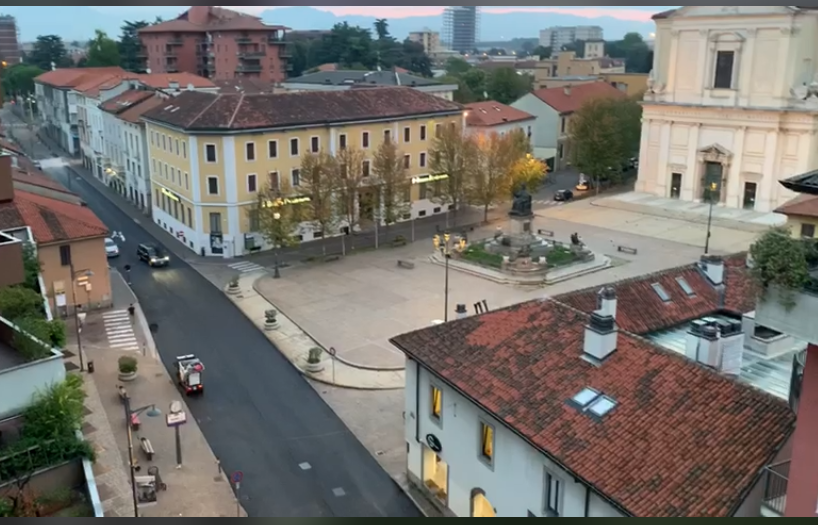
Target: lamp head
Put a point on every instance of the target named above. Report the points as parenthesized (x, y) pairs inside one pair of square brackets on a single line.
[(153, 412)]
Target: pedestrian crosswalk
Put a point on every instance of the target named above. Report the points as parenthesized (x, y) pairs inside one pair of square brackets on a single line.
[(548, 203), (120, 332), (246, 267)]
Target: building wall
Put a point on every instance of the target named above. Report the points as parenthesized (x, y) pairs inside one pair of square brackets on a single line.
[(86, 255), (232, 171), (430, 40), (513, 483), (802, 489), (12, 271), (164, 57), (527, 126), (796, 224), (545, 136)]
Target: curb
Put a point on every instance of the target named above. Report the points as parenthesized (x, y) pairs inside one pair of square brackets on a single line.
[(300, 370), (322, 346)]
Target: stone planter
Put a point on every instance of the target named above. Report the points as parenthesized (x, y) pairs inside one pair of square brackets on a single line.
[(314, 368), (233, 289), (271, 321), (128, 378)]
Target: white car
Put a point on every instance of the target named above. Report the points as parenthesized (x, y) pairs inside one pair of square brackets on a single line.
[(111, 249)]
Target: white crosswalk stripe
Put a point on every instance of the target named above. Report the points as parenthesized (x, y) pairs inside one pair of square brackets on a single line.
[(119, 330), (549, 203), (246, 267)]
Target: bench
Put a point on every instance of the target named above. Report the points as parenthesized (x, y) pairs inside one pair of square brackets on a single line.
[(147, 448), (545, 233), (628, 250), (406, 265), (332, 258)]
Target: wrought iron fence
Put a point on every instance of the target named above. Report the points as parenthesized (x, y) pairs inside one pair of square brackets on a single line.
[(776, 479)]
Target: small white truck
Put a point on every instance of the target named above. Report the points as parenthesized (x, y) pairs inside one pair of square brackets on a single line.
[(189, 371)]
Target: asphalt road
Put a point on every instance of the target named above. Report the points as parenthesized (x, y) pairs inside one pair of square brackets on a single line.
[(258, 414)]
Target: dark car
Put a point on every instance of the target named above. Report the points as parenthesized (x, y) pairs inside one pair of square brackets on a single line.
[(153, 255), (564, 196)]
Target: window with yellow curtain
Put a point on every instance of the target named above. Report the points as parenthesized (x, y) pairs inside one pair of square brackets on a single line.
[(437, 403), (487, 442)]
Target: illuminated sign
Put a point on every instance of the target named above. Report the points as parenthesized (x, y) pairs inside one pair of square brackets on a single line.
[(287, 202), (169, 194), (423, 179)]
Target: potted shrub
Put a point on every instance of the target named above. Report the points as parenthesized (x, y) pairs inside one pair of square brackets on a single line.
[(781, 264), (128, 367), (271, 320), (314, 363)]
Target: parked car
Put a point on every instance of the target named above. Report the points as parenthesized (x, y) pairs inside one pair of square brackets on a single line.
[(564, 196), (153, 255), (111, 249)]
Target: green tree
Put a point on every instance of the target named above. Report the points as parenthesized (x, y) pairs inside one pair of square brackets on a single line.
[(452, 154), (276, 219), (542, 52), (49, 50), (598, 145), (103, 51), (32, 267), (634, 50), (489, 182), (317, 181), (347, 45), (130, 46), (393, 182), (349, 175), (414, 58), (457, 66), (382, 29), (19, 302), (528, 171), (19, 79), (783, 262), (506, 85)]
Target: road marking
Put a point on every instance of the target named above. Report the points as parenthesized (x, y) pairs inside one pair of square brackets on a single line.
[(137, 221), (246, 267), (305, 466), (119, 331), (339, 492)]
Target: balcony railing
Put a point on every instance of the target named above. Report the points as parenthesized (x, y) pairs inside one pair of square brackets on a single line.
[(243, 40), (776, 478), (249, 68), (252, 55), (175, 42)]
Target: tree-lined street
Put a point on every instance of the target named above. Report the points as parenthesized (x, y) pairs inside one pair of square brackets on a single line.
[(258, 415)]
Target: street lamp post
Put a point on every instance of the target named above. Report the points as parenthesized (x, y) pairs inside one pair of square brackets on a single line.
[(77, 326), (713, 187), (444, 245), (277, 271), (149, 411)]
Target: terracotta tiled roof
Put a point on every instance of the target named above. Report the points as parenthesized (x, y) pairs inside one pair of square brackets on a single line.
[(219, 19), (163, 80), (490, 113), (71, 78), (50, 220), (91, 86), (125, 100), (194, 110), (741, 293), (683, 441), (11, 148), (134, 113), (801, 206), (569, 100), (246, 85), (34, 177)]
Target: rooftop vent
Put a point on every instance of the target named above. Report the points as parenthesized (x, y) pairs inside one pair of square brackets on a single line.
[(607, 302), (718, 344)]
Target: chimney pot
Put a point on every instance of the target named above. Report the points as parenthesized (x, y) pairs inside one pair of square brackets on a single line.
[(600, 337), (713, 268), (462, 312), (607, 302)]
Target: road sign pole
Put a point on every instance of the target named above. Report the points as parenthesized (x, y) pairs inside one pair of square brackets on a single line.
[(332, 353), (236, 479)]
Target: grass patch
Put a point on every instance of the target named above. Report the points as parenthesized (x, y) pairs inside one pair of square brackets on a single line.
[(561, 256), (477, 254)]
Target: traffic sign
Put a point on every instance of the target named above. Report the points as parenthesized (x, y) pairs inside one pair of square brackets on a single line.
[(237, 477), (177, 420)]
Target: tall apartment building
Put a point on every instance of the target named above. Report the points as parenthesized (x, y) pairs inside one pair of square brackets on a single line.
[(430, 40), (217, 43), (461, 27), (9, 41), (556, 37)]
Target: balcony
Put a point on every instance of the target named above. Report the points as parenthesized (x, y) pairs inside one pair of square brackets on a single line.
[(171, 68), (170, 53), (251, 55), (286, 51), (175, 42), (275, 38), (776, 478), (249, 68), (244, 40)]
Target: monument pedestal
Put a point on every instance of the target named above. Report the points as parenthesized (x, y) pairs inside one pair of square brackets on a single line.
[(522, 233)]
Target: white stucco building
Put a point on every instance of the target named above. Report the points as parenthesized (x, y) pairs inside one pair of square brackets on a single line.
[(732, 105), (485, 118)]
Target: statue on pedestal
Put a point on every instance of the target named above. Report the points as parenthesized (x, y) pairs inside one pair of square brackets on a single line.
[(522, 204)]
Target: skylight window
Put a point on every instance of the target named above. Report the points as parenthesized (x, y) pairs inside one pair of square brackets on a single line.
[(686, 288), (586, 397), (602, 407), (661, 292)]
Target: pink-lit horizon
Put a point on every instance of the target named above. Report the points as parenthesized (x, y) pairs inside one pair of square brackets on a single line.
[(631, 15)]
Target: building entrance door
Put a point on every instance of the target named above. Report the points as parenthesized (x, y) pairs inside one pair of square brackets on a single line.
[(676, 186), (711, 189), (750, 192)]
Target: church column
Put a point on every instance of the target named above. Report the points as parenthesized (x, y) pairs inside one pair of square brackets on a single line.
[(690, 182), (642, 182), (770, 175), (674, 60), (733, 193), (662, 168)]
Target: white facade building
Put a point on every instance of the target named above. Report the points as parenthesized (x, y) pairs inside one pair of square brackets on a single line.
[(557, 37), (732, 104)]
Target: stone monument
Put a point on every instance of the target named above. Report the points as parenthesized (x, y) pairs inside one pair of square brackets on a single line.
[(522, 219)]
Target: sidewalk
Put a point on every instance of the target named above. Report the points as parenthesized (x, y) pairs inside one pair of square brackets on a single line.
[(296, 345), (200, 489)]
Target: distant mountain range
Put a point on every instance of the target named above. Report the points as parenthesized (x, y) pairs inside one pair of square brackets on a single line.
[(79, 22)]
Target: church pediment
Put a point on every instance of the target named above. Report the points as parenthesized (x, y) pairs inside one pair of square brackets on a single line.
[(694, 11), (715, 153)]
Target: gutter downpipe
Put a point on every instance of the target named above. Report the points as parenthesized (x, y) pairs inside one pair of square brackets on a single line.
[(417, 401), (587, 501)]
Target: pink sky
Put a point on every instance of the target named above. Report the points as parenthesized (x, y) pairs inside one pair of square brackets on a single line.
[(634, 15)]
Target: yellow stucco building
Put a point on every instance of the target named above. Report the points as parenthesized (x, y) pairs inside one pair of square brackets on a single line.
[(211, 154)]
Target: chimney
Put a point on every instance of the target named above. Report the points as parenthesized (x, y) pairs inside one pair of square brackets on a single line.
[(716, 344), (607, 302), (732, 347), (6, 180), (713, 268), (174, 85), (198, 14), (461, 312), (567, 90), (600, 337)]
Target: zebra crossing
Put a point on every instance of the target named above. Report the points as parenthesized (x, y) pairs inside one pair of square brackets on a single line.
[(246, 267), (548, 203), (119, 331)]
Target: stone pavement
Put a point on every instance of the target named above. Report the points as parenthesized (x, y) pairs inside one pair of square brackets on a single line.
[(199, 489), (654, 218), (295, 344)]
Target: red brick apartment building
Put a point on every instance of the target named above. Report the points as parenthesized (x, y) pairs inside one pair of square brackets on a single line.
[(217, 43), (9, 41)]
